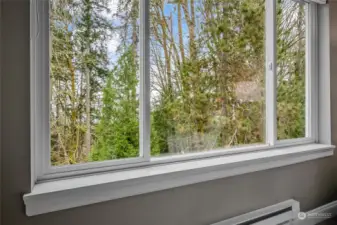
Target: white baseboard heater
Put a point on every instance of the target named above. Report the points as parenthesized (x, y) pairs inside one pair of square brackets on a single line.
[(284, 213)]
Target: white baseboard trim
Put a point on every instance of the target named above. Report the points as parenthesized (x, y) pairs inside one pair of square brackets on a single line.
[(248, 218), (320, 214)]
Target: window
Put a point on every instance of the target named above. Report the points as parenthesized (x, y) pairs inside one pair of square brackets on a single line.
[(207, 75), (166, 93), (291, 72), (153, 81)]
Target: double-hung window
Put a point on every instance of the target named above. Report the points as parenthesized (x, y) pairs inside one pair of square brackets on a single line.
[(137, 84)]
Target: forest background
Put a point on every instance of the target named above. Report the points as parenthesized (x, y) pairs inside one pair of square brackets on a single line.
[(207, 60)]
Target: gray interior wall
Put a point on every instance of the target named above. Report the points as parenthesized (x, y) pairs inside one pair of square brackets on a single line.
[(0, 120), (312, 183), (15, 156)]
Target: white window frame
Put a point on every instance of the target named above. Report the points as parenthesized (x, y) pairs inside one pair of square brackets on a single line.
[(40, 101), (145, 174)]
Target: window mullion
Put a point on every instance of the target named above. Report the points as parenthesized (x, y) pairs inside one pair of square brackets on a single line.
[(311, 71), (144, 114), (271, 70)]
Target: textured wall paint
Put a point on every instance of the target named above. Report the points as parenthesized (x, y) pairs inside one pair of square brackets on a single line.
[(311, 183)]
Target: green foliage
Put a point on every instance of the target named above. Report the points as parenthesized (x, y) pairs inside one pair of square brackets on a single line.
[(78, 34), (291, 73), (198, 72), (118, 130)]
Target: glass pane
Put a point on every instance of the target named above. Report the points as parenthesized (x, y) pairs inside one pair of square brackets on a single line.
[(94, 80), (291, 69), (207, 74)]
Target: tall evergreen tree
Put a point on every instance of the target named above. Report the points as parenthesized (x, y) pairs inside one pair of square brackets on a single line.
[(201, 52), (92, 36), (118, 130)]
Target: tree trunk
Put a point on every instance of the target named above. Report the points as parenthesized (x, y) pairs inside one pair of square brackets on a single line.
[(88, 113), (134, 17), (180, 31)]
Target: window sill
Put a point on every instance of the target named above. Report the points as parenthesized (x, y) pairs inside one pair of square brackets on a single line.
[(69, 193)]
